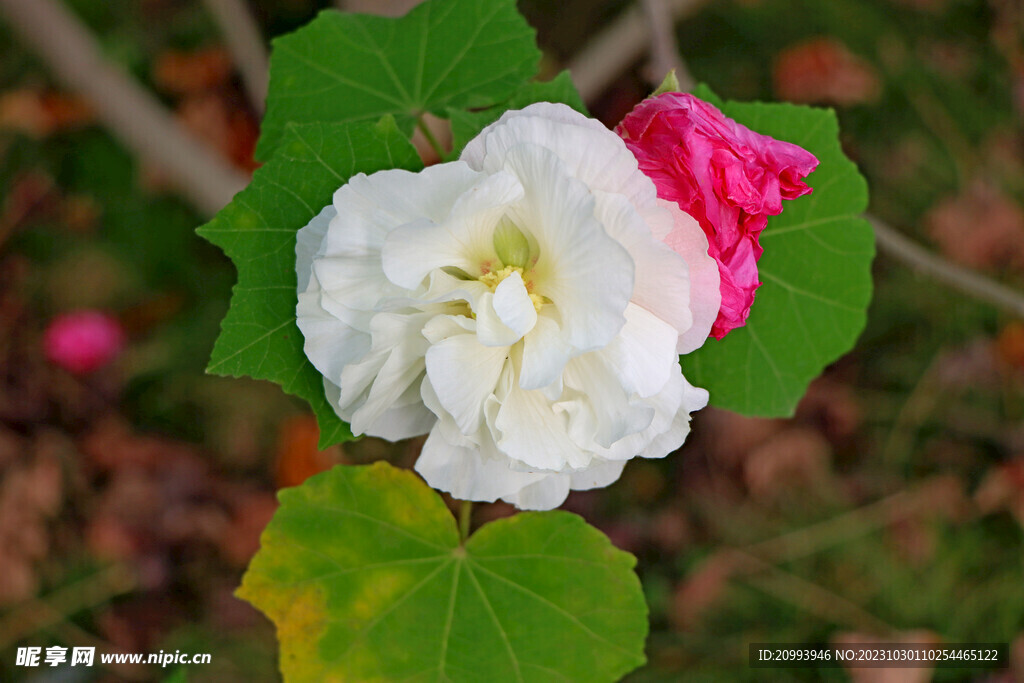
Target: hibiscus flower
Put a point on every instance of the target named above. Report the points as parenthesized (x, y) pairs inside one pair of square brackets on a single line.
[(520, 305)]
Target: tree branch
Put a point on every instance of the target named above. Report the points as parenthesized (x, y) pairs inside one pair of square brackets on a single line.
[(384, 8), (618, 46), (957, 277), (665, 55), (134, 116), (246, 45)]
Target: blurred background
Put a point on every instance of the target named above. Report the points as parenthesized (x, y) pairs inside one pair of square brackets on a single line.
[(133, 486)]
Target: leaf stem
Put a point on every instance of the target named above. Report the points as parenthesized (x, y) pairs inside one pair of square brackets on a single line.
[(430, 138), (465, 517)]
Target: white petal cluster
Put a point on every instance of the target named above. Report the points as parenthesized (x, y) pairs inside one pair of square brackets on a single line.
[(518, 304)]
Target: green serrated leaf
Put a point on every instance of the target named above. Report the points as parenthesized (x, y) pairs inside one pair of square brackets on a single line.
[(466, 125), (362, 572), (816, 275), (259, 337), (459, 54)]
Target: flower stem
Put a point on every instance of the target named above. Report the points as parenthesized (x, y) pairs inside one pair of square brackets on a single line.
[(465, 515), (431, 138)]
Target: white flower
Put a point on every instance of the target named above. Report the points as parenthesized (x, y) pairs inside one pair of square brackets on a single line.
[(518, 304)]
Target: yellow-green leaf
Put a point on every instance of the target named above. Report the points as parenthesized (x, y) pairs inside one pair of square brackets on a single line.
[(362, 572)]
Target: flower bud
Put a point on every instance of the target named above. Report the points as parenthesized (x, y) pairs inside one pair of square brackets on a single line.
[(83, 341), (511, 245)]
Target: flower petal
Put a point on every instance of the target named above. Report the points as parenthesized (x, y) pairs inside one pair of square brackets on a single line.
[(689, 241), (307, 242), (529, 431), (464, 238), (395, 362), (546, 494), (643, 355), (598, 475), (513, 305), (545, 352), (467, 474), (662, 285), (586, 273), (600, 411), (406, 419), (591, 153), (463, 373)]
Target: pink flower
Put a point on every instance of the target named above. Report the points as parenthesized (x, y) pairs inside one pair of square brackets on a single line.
[(723, 174), (83, 341)]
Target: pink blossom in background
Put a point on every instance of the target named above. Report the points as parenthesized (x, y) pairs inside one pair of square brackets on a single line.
[(729, 178), (83, 341)]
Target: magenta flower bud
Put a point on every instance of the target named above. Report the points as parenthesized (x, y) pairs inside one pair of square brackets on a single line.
[(83, 341), (723, 174)]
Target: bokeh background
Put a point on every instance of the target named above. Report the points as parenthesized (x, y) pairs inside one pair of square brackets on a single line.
[(889, 508)]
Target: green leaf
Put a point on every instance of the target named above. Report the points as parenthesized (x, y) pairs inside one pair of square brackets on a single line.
[(466, 125), (362, 571), (259, 337), (460, 54), (816, 275)]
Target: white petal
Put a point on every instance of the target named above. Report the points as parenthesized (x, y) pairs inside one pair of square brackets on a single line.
[(545, 352), (586, 273), (590, 152), (643, 355), (600, 411), (467, 474), (490, 330), (662, 284), (513, 305), (395, 197), (464, 238), (598, 475), (688, 239), (395, 362), (368, 208), (405, 420), (670, 426), (328, 342), (307, 242), (442, 327), (463, 374), (546, 494), (529, 430)]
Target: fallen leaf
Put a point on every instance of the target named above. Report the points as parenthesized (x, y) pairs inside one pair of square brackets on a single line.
[(187, 73), (981, 228), (298, 457), (824, 71)]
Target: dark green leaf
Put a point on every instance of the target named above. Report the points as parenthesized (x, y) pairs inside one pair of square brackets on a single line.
[(445, 54)]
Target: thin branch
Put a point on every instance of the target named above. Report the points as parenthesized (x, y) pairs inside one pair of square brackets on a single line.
[(384, 8), (134, 116), (959, 278), (807, 595), (922, 499), (246, 45), (40, 613), (665, 55), (618, 46)]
